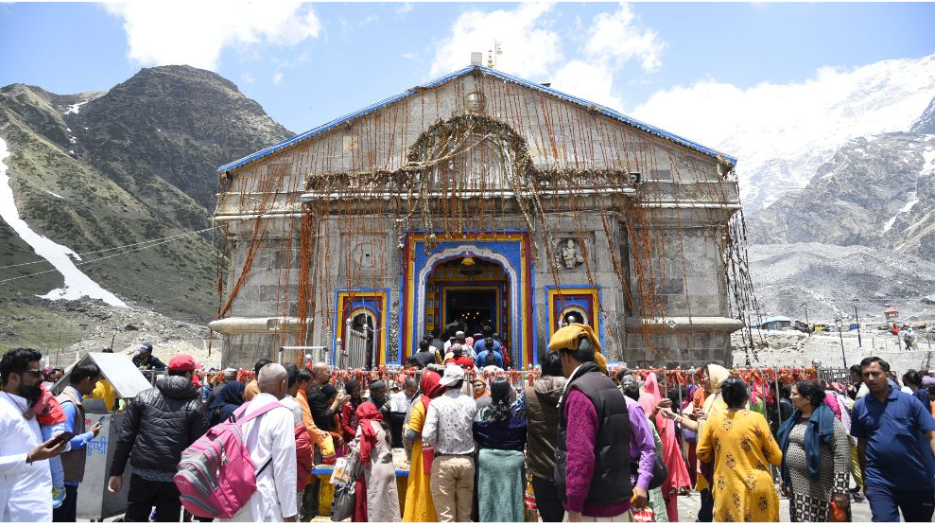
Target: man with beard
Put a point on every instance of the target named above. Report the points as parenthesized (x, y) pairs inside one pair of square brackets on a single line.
[(25, 478)]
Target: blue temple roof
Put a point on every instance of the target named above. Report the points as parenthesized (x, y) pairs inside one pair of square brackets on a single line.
[(616, 115)]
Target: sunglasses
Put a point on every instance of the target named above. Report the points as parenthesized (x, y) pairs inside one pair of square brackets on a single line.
[(35, 372)]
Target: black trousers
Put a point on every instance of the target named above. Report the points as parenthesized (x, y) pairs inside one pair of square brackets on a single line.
[(706, 512), (68, 511), (144, 494), (548, 502)]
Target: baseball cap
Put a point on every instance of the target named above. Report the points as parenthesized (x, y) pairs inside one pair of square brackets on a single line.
[(146, 347), (453, 374), (183, 363)]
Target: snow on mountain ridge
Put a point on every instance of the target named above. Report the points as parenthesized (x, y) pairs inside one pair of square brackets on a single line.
[(782, 133)]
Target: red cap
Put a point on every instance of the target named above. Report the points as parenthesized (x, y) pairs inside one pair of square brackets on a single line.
[(183, 363)]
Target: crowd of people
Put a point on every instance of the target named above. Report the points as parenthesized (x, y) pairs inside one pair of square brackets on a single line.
[(580, 442)]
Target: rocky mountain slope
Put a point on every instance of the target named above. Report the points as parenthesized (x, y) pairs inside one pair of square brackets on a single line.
[(96, 171), (864, 228), (828, 278)]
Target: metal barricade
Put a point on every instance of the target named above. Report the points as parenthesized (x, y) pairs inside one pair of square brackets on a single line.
[(355, 344), (829, 375)]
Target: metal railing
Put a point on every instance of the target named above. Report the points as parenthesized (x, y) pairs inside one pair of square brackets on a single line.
[(355, 345)]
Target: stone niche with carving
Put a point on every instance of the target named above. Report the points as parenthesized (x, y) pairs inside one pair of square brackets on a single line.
[(569, 252)]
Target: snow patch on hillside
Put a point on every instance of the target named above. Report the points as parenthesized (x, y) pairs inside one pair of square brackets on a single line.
[(913, 200), (928, 164), (75, 108), (60, 197), (77, 284)]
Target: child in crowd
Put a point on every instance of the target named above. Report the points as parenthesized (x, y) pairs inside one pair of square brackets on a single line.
[(51, 420)]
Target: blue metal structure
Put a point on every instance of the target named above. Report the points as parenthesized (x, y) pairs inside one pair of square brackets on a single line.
[(616, 115)]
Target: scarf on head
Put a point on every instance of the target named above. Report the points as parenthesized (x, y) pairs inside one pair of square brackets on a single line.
[(368, 437), (430, 387), (716, 376), (677, 471), (481, 394), (820, 429)]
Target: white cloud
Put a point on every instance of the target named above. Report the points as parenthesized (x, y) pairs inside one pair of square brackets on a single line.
[(619, 37), (196, 36), (405, 7), (781, 133), (612, 40), (409, 55), (277, 78), (533, 49), (530, 47), (372, 19), (588, 80)]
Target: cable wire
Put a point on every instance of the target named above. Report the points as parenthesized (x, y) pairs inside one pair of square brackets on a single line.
[(171, 239), (115, 248)]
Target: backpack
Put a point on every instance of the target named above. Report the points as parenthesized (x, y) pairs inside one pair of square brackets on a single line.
[(216, 476)]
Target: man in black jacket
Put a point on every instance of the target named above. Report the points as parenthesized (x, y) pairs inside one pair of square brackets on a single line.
[(322, 412), (159, 424), (145, 359)]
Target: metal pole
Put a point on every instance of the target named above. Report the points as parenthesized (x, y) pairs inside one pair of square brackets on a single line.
[(857, 318), (841, 337), (808, 330), (778, 398)]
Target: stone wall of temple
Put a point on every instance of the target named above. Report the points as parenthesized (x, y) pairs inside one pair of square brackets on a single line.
[(686, 204)]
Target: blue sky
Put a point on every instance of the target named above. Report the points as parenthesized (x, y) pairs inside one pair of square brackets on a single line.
[(309, 63)]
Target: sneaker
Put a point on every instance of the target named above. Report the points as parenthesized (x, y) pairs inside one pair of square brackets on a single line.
[(58, 496)]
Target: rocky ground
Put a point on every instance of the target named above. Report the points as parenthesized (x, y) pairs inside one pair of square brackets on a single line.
[(101, 326), (793, 348)]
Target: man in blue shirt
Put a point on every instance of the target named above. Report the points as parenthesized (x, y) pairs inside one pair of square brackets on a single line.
[(82, 380), (896, 448), (489, 346)]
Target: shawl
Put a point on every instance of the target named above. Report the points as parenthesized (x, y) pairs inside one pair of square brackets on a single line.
[(820, 429), (716, 376), (228, 400), (678, 474), (430, 387), (368, 437)]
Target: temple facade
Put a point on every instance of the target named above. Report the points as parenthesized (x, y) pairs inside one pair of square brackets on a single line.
[(480, 199)]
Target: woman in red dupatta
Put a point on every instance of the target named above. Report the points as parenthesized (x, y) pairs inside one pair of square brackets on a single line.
[(381, 501), (671, 455)]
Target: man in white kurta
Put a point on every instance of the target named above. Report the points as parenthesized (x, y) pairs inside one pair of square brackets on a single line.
[(271, 438), (25, 489)]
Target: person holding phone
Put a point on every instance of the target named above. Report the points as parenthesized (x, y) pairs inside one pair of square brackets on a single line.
[(82, 382), (24, 466)]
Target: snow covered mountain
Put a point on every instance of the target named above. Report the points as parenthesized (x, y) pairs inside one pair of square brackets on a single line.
[(876, 191), (863, 228), (781, 134)]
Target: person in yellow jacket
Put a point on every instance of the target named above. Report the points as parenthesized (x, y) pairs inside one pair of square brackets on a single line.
[(105, 391)]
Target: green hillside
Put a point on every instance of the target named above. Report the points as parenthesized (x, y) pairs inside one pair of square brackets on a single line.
[(126, 168)]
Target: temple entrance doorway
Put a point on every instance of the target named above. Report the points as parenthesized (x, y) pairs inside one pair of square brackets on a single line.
[(465, 294)]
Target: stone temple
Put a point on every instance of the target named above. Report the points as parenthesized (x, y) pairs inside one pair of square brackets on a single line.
[(480, 198)]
